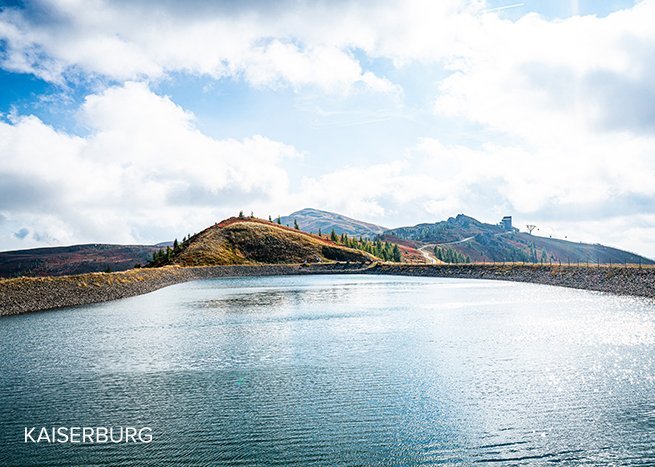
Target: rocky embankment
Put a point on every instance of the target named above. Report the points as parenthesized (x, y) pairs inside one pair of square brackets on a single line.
[(618, 280), (27, 294)]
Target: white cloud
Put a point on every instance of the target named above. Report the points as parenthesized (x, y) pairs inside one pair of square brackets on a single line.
[(144, 169), (572, 196), (128, 41), (567, 108), (538, 79)]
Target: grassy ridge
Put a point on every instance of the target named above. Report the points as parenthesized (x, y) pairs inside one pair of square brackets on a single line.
[(255, 241)]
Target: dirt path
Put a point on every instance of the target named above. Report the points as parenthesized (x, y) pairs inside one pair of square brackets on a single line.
[(455, 242), (431, 259), (426, 250)]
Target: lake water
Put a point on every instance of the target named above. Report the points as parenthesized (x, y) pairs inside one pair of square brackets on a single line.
[(337, 370)]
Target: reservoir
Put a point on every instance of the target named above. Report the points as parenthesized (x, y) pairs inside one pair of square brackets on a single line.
[(337, 369)]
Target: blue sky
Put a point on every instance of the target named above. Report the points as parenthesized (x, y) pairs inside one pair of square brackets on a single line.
[(135, 122)]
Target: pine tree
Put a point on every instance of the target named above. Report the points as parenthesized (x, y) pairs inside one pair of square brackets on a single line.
[(269, 218), (319, 232), (176, 245), (241, 214), (396, 254), (295, 225), (279, 220), (333, 236)]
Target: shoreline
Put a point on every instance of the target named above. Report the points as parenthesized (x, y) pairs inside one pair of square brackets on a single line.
[(30, 294), (632, 281)]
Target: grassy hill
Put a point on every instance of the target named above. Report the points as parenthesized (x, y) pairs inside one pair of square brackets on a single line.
[(468, 238), (311, 220), (255, 241), (77, 259)]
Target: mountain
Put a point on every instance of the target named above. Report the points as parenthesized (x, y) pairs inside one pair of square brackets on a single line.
[(256, 241), (77, 259), (311, 220), (464, 237), (454, 229)]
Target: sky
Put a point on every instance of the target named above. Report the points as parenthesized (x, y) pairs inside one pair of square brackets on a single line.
[(136, 122)]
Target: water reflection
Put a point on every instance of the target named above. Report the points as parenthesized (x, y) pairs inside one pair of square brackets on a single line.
[(339, 369)]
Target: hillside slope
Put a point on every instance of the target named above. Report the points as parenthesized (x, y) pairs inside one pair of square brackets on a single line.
[(255, 241), (488, 242), (452, 230), (311, 220), (76, 259)]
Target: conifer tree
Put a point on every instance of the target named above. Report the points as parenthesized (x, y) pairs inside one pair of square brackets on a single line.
[(241, 214), (279, 220), (333, 236), (396, 254), (295, 225), (319, 232)]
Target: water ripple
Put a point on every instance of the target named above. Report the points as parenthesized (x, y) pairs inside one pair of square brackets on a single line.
[(338, 370)]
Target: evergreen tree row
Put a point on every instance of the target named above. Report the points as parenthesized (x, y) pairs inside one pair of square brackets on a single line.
[(166, 254), (384, 250), (449, 255)]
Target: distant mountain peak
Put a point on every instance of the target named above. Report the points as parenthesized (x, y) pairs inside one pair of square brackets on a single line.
[(464, 220), (311, 220), (489, 242), (313, 211)]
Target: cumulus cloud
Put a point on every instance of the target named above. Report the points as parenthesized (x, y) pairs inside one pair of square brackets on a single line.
[(575, 195), (573, 71), (560, 113), (143, 166), (136, 40), (534, 78)]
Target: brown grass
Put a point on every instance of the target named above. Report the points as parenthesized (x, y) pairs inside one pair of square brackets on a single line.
[(91, 279), (256, 241)]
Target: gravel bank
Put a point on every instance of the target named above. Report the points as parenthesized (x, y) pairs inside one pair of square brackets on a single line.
[(27, 294), (618, 280)]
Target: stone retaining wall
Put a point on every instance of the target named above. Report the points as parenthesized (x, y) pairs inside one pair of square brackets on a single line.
[(618, 280), (29, 294)]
